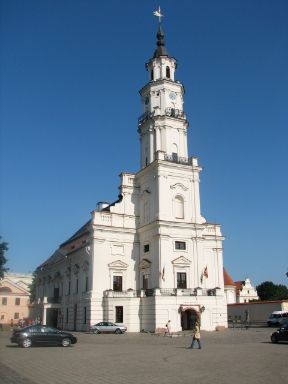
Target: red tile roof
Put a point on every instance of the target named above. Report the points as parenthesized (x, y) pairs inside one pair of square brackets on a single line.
[(227, 278)]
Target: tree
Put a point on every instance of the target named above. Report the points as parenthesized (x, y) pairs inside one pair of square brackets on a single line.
[(32, 288), (270, 291), (3, 260)]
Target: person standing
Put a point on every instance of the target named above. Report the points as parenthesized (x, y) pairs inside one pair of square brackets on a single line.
[(196, 334), (168, 328)]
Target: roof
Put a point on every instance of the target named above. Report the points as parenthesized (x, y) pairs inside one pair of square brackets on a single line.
[(239, 285), (63, 250), (227, 278), (57, 256), (83, 230), (161, 49)]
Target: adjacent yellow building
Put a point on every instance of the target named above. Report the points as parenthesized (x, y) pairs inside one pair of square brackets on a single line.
[(14, 298)]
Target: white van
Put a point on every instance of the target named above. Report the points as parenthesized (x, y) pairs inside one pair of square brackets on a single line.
[(277, 318)]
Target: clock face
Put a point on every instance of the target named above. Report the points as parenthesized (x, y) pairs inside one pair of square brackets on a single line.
[(172, 95)]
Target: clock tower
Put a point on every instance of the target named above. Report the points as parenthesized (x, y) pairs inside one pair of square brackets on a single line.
[(163, 124)]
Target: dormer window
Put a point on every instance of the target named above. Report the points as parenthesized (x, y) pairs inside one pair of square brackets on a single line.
[(168, 72)]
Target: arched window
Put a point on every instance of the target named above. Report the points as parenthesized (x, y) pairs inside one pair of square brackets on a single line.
[(178, 207), (152, 75), (168, 72)]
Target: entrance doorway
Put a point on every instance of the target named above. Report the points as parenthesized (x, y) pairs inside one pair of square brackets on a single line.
[(188, 319), (52, 317)]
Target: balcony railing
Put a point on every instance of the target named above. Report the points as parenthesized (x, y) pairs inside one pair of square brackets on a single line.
[(178, 160), (170, 112), (162, 292), (54, 300)]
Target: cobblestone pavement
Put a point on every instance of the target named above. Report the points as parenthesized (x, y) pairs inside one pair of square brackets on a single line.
[(229, 356)]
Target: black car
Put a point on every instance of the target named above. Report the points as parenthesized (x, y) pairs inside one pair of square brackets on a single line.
[(280, 335), (41, 335)]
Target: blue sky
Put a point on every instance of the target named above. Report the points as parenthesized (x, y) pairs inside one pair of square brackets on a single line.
[(70, 75)]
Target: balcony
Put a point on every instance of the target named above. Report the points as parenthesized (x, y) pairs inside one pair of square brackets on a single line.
[(178, 160), (54, 300), (169, 112), (163, 292)]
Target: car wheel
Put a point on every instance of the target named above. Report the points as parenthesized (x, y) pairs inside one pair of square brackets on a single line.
[(274, 339), (26, 343), (66, 342), (96, 331), (118, 331)]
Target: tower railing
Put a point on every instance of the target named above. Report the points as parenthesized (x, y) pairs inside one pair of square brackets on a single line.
[(177, 159), (170, 112)]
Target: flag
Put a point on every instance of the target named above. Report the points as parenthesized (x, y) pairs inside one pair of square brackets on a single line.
[(204, 274), (163, 274)]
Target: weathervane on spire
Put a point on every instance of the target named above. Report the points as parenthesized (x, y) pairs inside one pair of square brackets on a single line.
[(158, 14)]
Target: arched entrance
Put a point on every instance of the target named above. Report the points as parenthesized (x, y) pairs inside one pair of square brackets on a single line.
[(188, 318)]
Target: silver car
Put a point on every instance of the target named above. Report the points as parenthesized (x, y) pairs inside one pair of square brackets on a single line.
[(107, 327)]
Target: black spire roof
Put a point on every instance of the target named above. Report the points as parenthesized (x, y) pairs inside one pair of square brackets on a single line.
[(161, 49)]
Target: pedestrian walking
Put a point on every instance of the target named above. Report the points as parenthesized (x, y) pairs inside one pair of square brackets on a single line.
[(168, 328), (247, 319), (196, 334)]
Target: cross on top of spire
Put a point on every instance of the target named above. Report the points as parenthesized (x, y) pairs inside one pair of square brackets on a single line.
[(158, 14)]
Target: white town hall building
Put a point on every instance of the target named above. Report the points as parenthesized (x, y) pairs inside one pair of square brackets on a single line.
[(150, 256)]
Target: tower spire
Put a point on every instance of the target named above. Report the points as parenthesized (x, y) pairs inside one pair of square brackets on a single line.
[(161, 49)]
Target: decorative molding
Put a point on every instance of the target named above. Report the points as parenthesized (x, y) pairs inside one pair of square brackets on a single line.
[(68, 271), (85, 265), (179, 185), (76, 269), (144, 264), (118, 264), (181, 261)]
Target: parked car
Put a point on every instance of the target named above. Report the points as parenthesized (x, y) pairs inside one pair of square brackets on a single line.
[(281, 334), (107, 327), (41, 335), (277, 318)]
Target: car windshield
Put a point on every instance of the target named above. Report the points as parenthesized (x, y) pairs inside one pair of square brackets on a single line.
[(275, 316)]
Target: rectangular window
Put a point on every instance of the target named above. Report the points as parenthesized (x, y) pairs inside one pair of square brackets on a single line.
[(17, 301), (117, 283), (56, 293), (4, 300), (174, 155), (16, 315), (146, 248), (181, 280), (86, 284), (119, 314), (84, 315), (77, 285), (69, 287), (145, 282), (67, 315), (180, 245)]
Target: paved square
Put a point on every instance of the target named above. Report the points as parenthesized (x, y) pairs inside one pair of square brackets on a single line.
[(229, 356)]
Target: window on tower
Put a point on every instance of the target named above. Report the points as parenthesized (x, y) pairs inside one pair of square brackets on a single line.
[(178, 207), (145, 282), (168, 72), (146, 248), (181, 245), (152, 75)]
